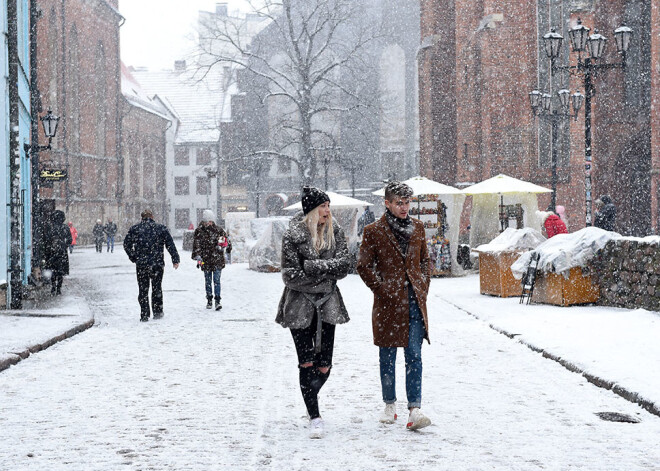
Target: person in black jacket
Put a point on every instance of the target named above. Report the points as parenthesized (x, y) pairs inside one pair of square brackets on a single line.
[(144, 246), (209, 245), (110, 230), (605, 216), (57, 242), (99, 235)]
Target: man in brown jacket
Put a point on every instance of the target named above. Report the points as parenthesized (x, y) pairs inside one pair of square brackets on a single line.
[(394, 263)]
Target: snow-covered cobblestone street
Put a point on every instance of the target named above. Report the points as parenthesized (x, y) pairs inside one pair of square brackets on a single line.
[(206, 390)]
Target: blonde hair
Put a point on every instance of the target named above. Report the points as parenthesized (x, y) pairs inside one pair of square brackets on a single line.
[(323, 236)]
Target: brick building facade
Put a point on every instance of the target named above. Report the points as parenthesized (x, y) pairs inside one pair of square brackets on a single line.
[(99, 138), (477, 63)]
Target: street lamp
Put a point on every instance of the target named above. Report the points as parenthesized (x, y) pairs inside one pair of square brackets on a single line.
[(49, 123), (585, 69), (541, 104)]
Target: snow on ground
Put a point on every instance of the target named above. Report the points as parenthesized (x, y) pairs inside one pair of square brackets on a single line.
[(619, 345), (203, 390)]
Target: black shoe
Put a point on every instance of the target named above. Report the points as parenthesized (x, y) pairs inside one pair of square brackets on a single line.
[(209, 303), (144, 319), (58, 291), (158, 315), (218, 306), (53, 291)]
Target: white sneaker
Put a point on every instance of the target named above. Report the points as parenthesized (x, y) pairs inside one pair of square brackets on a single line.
[(389, 414), (417, 420), (316, 428)]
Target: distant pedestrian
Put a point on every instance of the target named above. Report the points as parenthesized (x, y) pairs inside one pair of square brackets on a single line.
[(605, 216), (210, 242), (552, 223), (144, 246), (314, 257), (99, 235), (365, 219), (74, 236), (110, 230), (394, 263), (57, 241), (561, 212)]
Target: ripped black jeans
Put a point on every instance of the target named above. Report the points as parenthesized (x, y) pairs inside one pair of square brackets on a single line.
[(311, 379)]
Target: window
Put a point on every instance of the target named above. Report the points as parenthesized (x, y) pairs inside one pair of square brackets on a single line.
[(283, 165), (181, 186), (203, 156), (199, 215), (181, 218), (203, 186), (181, 156)]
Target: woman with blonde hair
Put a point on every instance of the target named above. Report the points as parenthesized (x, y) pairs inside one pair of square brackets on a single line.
[(314, 256)]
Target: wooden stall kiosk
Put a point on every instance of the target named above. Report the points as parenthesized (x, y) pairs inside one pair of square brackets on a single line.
[(560, 290), (496, 258), (499, 204)]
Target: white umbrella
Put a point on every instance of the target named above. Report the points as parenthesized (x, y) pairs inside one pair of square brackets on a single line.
[(424, 186), (337, 201), (502, 185)]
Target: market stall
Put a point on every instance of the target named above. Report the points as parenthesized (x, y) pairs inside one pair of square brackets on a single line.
[(501, 202), (439, 207), (496, 257), (563, 260)]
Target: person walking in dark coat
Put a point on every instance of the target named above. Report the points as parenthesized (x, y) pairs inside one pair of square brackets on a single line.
[(56, 251), (110, 230), (314, 257), (394, 264), (144, 246), (99, 235), (209, 245), (605, 216)]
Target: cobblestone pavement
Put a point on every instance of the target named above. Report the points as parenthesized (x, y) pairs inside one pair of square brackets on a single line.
[(203, 390)]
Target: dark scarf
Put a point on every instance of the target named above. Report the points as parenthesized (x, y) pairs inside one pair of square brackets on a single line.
[(402, 229)]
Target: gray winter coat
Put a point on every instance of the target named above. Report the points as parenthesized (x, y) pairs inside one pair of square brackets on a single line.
[(310, 274)]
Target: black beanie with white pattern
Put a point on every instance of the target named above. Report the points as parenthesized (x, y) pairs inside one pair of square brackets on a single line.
[(312, 197)]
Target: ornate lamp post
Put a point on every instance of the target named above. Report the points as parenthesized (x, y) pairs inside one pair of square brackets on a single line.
[(586, 69), (541, 104), (49, 123)]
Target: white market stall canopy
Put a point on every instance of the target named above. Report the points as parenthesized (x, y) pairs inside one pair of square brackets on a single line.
[(424, 186), (503, 185), (337, 201), (487, 197)]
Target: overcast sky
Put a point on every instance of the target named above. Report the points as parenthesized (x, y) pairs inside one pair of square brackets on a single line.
[(157, 32)]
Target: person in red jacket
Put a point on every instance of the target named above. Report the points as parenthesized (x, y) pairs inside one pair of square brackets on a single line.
[(552, 223), (74, 236)]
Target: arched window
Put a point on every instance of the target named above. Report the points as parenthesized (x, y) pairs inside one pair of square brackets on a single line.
[(73, 102), (100, 76)]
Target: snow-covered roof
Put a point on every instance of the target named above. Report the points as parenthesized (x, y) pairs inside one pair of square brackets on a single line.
[(136, 96), (565, 251), (513, 240), (503, 184), (200, 103)]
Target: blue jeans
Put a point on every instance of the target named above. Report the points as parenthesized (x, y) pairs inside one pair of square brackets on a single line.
[(413, 355), (215, 275), (111, 243)]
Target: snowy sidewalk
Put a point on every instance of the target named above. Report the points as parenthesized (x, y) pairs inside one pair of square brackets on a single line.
[(42, 322), (614, 348), (206, 390)]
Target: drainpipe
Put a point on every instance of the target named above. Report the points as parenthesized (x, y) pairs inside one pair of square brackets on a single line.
[(35, 107), (15, 271)]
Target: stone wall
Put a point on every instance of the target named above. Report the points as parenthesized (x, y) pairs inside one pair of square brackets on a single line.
[(628, 272)]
